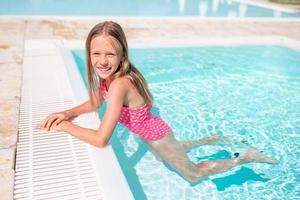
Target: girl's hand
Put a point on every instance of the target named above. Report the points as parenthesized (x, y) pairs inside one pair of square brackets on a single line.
[(59, 127), (53, 120)]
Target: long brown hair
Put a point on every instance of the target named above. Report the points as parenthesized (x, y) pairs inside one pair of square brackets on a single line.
[(109, 28)]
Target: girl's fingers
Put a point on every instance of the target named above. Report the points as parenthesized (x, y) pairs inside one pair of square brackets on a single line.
[(50, 122), (57, 121), (44, 122)]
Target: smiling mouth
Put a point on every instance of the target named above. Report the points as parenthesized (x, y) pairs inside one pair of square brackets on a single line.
[(104, 69)]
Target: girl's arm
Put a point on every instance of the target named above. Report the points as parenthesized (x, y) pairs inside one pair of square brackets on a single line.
[(100, 137), (56, 118), (86, 106)]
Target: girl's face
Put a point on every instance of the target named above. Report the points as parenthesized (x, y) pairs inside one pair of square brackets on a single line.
[(105, 56)]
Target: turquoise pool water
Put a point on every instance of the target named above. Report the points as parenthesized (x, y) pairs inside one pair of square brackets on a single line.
[(250, 94), (204, 8)]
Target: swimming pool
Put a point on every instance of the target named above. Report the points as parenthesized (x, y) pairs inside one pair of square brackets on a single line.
[(250, 94), (203, 8)]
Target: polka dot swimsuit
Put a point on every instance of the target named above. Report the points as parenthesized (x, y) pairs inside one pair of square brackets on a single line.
[(140, 120)]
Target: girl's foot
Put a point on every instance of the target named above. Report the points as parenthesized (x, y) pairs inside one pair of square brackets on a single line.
[(252, 155)]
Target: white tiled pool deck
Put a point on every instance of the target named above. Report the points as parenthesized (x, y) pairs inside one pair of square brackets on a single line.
[(15, 32)]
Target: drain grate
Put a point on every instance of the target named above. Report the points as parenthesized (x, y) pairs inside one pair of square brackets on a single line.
[(51, 165)]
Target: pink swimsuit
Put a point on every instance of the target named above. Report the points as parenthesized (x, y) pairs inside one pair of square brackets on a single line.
[(140, 120)]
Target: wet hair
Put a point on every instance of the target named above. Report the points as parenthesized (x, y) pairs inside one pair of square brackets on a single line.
[(114, 30)]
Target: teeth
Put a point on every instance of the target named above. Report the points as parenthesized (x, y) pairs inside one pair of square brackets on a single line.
[(105, 70)]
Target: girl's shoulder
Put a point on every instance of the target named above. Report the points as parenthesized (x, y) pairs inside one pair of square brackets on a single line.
[(121, 80), (121, 83)]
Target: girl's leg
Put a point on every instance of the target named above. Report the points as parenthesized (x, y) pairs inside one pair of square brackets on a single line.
[(207, 168), (210, 140), (171, 151)]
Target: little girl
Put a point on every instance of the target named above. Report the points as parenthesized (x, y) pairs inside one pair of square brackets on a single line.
[(112, 77)]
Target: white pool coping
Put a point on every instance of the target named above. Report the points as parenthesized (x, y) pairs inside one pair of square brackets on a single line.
[(203, 41), (234, 41)]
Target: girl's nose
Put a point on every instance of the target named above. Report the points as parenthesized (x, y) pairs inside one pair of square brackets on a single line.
[(103, 60)]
